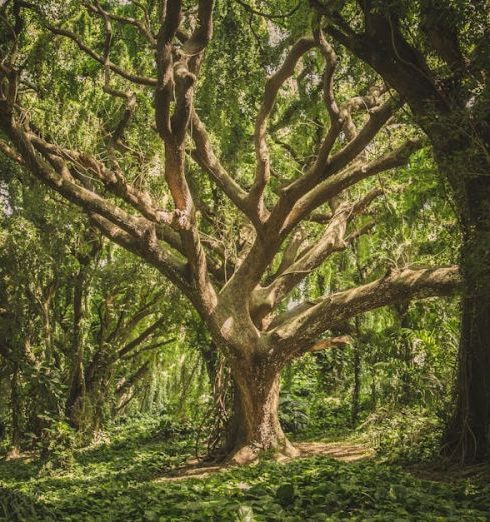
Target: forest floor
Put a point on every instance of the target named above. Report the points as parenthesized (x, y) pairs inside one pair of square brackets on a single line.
[(345, 451), (132, 478)]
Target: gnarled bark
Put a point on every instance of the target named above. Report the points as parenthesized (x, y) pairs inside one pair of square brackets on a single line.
[(255, 427)]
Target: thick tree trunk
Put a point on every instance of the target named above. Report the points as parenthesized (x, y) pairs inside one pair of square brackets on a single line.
[(255, 426), (468, 434)]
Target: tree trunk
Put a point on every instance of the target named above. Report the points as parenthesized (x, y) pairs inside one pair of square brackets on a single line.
[(356, 389), (15, 406), (255, 427), (77, 380), (374, 388), (405, 354), (468, 434), (76, 393)]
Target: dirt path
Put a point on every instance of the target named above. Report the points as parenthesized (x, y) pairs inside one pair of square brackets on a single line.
[(345, 451)]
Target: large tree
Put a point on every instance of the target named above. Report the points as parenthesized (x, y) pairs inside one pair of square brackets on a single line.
[(436, 55), (284, 225)]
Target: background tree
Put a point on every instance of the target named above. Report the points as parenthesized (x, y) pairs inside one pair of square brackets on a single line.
[(435, 55), (81, 324)]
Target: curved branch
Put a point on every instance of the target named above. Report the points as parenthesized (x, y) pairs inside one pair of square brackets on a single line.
[(143, 28), (323, 167), (272, 86), (337, 183), (331, 241), (134, 78), (164, 59), (113, 180), (209, 162), (201, 36), (299, 329), (147, 249), (137, 234)]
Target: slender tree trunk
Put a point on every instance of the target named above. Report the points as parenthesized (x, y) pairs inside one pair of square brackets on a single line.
[(15, 406), (77, 379), (77, 389), (468, 434), (255, 425), (356, 390), (374, 389), (405, 354)]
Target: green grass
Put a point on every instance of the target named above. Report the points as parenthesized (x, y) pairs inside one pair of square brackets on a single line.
[(123, 481)]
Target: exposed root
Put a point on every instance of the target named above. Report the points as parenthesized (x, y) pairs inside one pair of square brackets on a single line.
[(346, 452), (247, 454), (242, 456)]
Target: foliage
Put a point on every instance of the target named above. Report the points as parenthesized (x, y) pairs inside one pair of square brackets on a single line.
[(127, 481), (293, 413), (406, 435), (109, 378)]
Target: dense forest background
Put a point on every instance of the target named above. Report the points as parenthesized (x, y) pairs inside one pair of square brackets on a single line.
[(231, 231)]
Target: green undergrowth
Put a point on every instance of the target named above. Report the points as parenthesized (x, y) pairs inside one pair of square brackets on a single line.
[(125, 479)]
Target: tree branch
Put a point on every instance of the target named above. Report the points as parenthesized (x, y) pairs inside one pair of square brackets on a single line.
[(140, 338), (331, 342), (134, 78), (333, 239), (208, 161), (147, 249), (398, 286), (273, 84), (337, 183), (143, 27)]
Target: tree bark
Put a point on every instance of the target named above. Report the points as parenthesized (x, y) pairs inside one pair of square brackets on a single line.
[(405, 353), (77, 379), (468, 434), (255, 427), (356, 389)]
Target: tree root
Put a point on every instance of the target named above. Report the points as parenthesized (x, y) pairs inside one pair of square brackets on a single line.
[(248, 453)]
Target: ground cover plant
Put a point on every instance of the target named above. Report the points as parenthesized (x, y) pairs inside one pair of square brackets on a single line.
[(130, 479)]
